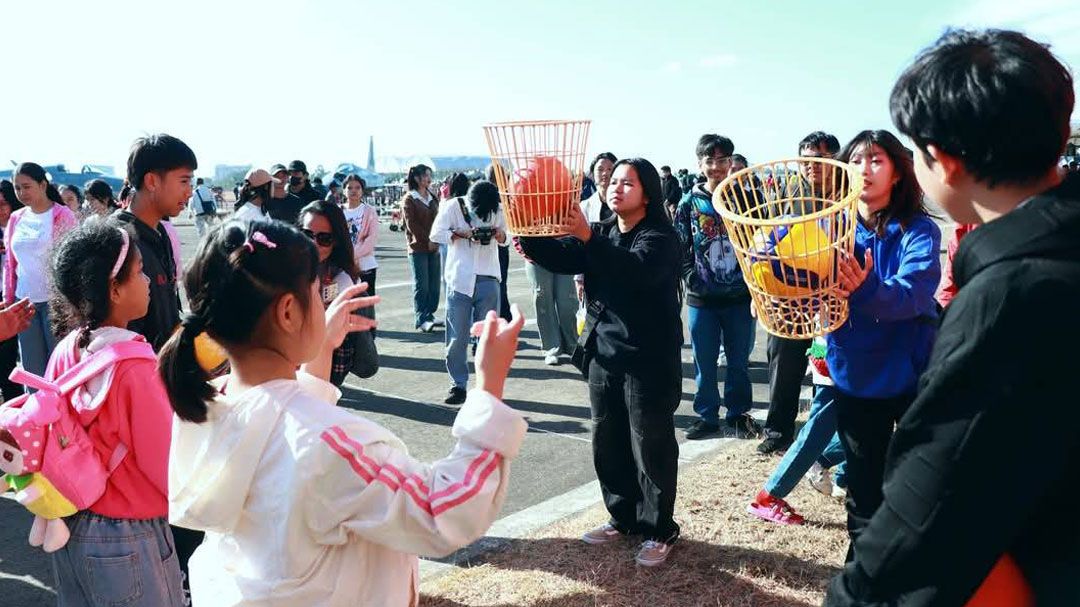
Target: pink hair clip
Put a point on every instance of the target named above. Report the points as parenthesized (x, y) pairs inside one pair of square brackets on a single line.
[(260, 238)]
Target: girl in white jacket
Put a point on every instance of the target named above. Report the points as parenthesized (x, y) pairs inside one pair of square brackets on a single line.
[(303, 502)]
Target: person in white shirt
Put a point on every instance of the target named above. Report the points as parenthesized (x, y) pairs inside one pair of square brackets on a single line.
[(254, 194), (472, 227), (363, 222), (203, 206), (305, 503)]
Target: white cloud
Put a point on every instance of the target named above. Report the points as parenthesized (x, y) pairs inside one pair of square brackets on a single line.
[(674, 66)]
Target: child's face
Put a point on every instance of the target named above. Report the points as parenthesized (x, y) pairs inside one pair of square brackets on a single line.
[(131, 298), (170, 191)]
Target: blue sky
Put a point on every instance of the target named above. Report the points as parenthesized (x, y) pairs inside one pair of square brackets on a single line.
[(268, 81)]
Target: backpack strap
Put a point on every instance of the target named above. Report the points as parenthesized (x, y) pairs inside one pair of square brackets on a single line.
[(464, 211), (97, 362)]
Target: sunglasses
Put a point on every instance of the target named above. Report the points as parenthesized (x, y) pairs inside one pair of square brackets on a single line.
[(323, 239)]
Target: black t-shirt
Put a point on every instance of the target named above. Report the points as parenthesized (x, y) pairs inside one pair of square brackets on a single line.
[(308, 194), (285, 209), (163, 314)]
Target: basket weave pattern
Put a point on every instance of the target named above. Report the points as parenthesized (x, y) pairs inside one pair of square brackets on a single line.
[(539, 166), (789, 223)]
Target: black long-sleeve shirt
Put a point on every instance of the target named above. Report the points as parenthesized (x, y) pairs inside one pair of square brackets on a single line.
[(986, 461), (635, 275)]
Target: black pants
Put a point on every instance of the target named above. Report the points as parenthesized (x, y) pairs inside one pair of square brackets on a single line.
[(9, 357), (504, 268), (866, 427), (369, 278), (634, 448), (787, 367), (186, 541)]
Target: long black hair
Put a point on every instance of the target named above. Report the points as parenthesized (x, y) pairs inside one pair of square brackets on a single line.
[(906, 200), (459, 185), (100, 190), (654, 194), (341, 255), (232, 281), (81, 275)]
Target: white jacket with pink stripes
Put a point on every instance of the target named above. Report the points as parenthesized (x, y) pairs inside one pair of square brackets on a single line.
[(305, 503)]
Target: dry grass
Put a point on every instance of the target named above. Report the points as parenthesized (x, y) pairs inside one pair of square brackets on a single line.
[(725, 556)]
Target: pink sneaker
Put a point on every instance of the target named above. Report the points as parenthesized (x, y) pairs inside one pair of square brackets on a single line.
[(774, 509)]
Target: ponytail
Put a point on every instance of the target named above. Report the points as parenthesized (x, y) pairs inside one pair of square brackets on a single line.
[(186, 382), (239, 271)]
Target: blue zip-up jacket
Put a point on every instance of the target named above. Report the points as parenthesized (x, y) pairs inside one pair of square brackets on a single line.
[(709, 265), (885, 344)]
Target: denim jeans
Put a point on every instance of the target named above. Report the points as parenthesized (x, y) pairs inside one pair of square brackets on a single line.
[(204, 222), (817, 441), (734, 327), (37, 341), (461, 312), (111, 561), (556, 309), (426, 280)]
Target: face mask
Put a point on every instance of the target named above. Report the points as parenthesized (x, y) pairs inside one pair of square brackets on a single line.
[(295, 181)]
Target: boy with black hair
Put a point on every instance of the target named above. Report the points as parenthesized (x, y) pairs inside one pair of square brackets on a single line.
[(787, 357), (718, 300), (160, 169), (989, 113)]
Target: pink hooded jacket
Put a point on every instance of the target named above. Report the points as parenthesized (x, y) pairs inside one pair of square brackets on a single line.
[(135, 411)]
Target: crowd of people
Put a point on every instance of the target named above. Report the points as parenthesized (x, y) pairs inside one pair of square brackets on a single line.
[(232, 475)]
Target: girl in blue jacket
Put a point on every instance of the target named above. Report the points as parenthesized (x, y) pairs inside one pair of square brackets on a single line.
[(876, 357)]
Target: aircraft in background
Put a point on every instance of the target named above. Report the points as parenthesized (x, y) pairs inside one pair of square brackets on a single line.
[(59, 175)]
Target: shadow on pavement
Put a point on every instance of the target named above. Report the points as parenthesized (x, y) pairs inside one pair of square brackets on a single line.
[(26, 576)]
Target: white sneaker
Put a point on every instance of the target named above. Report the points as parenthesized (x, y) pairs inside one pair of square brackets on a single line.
[(820, 479), (551, 359), (427, 326)]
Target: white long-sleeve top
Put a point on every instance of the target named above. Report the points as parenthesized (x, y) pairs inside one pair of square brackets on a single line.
[(308, 504), (466, 259)]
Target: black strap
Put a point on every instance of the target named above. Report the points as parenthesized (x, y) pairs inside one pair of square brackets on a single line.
[(464, 211), (592, 316)]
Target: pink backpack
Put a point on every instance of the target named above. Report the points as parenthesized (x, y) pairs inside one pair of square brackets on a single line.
[(50, 425)]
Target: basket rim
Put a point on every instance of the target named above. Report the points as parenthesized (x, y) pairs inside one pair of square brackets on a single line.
[(535, 123), (855, 176)]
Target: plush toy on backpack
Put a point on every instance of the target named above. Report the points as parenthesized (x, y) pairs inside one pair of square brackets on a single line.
[(45, 452), (21, 460)]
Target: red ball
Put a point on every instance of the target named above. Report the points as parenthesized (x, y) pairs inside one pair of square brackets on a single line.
[(543, 190)]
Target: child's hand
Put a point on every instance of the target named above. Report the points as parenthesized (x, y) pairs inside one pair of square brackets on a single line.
[(498, 345), (340, 320), (15, 317)]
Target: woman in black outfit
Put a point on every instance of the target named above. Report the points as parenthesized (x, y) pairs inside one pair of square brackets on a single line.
[(631, 353)]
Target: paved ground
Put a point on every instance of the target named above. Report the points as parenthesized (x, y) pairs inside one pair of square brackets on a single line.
[(406, 396)]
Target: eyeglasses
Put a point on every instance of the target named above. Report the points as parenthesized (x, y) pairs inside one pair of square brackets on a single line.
[(323, 239)]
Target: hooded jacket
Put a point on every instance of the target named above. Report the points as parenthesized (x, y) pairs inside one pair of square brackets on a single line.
[(885, 343), (133, 410), (998, 401), (308, 504), (709, 265)]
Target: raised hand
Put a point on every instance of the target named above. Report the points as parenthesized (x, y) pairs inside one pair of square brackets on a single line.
[(851, 274), (496, 350)]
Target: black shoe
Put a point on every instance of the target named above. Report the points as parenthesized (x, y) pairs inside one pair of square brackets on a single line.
[(701, 429), (456, 396), (744, 426), (773, 443)]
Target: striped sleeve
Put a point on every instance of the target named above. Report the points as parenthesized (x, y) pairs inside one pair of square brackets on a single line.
[(368, 486)]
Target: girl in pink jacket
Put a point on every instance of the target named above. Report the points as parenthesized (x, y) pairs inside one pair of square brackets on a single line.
[(303, 502), (120, 550)]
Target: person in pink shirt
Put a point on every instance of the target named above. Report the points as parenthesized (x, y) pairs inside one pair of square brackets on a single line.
[(121, 550), (948, 286)]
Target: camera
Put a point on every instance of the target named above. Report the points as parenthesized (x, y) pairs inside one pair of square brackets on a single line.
[(483, 234)]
